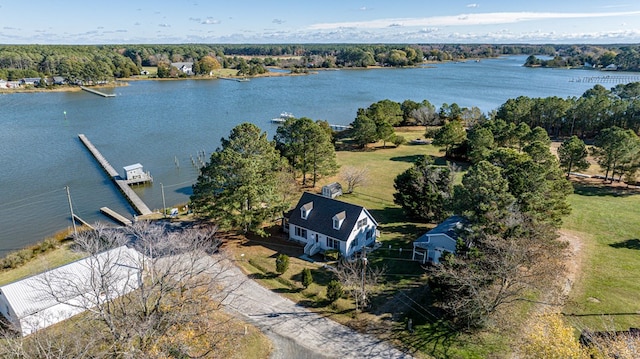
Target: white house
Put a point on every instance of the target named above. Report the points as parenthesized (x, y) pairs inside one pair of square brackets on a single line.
[(431, 245), (184, 67), (322, 223), (45, 299)]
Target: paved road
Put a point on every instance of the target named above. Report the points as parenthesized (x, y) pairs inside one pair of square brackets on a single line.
[(297, 332)]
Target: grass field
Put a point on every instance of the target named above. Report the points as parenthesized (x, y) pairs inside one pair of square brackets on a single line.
[(607, 294)]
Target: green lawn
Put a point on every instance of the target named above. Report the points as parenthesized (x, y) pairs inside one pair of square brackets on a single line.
[(41, 263), (608, 221)]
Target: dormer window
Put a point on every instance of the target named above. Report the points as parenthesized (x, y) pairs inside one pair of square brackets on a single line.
[(305, 210), (338, 219)]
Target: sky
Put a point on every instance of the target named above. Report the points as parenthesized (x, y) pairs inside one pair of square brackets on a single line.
[(327, 21)]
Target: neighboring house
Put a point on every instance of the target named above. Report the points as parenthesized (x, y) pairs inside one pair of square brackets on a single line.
[(29, 305), (33, 81), (58, 80), (332, 190), (184, 67), (431, 245), (322, 223)]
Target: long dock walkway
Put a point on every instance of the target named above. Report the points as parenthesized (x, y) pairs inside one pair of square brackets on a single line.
[(98, 92), (129, 194)]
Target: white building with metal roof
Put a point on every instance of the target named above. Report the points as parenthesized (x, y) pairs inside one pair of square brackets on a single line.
[(45, 299)]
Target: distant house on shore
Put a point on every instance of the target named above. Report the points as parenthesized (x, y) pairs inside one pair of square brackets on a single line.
[(58, 80), (184, 67), (37, 302), (33, 81)]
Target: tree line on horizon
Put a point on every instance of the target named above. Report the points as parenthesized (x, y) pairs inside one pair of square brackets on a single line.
[(102, 62)]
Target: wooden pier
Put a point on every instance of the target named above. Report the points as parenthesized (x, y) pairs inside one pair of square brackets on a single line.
[(82, 222), (98, 92), (129, 194), (116, 216)]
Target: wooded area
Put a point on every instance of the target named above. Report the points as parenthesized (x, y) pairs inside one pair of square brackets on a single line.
[(103, 62)]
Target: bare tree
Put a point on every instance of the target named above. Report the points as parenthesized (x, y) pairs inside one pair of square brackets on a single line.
[(355, 177), (426, 116), (161, 294), (359, 279)]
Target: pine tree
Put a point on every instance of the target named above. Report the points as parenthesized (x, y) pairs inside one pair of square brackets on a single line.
[(238, 188)]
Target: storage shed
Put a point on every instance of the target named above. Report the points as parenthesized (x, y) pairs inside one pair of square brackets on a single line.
[(45, 299)]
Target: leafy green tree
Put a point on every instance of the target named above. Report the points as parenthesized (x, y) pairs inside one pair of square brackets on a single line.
[(334, 291), (238, 187), (307, 278), (614, 147), (480, 143), (364, 129), (573, 155), (450, 135), (308, 148), (282, 263), (385, 132), (385, 111), (424, 190), (206, 64), (483, 197)]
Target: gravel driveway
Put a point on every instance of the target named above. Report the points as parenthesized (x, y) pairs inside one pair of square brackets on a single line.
[(295, 331)]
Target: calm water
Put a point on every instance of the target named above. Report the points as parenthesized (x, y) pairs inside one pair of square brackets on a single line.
[(163, 124)]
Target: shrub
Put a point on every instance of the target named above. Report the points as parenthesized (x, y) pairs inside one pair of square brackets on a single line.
[(331, 254), (282, 263), (334, 291), (307, 278)]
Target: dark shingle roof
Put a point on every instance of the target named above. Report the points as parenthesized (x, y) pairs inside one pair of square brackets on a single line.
[(449, 226), (320, 218)]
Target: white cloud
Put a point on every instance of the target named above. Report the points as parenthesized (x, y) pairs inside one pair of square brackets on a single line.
[(164, 25), (210, 21), (467, 19), (473, 5)]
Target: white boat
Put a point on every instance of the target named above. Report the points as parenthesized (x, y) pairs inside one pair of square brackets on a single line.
[(283, 117)]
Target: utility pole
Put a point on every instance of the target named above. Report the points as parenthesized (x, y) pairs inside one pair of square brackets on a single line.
[(164, 206), (364, 275), (73, 219)]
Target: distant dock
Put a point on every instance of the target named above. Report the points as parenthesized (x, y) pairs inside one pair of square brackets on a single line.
[(129, 194), (236, 79), (609, 79), (96, 92)]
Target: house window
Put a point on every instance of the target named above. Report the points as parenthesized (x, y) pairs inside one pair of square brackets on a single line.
[(362, 222), (333, 243), (370, 234), (305, 210), (301, 232), (355, 242), (338, 219)]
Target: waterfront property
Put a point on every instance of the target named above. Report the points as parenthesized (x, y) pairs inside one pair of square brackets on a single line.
[(322, 223), (37, 302), (430, 246)]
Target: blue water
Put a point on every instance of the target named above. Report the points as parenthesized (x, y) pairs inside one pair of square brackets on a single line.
[(163, 124)]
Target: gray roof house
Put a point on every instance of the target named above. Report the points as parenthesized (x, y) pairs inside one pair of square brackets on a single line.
[(431, 245), (30, 305), (321, 223), (184, 67)]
